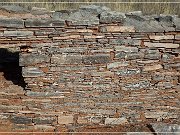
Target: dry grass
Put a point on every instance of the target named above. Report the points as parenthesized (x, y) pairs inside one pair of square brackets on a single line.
[(146, 8)]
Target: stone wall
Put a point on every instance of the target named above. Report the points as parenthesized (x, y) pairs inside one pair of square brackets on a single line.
[(95, 66)]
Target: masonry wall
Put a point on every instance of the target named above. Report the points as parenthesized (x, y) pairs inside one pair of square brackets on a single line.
[(96, 66)]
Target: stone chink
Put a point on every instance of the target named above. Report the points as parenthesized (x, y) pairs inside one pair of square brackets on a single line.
[(92, 66)]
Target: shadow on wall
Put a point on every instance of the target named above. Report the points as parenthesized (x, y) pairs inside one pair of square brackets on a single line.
[(9, 65)]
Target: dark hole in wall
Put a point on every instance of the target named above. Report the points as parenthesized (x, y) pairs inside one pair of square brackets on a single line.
[(9, 65)]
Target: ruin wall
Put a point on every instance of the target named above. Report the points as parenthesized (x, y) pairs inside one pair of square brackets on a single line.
[(95, 66)]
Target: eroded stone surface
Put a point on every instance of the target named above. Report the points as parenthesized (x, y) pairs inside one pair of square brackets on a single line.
[(96, 59), (115, 121), (112, 17), (69, 119), (32, 59), (32, 72), (128, 71), (136, 85), (18, 33), (43, 23), (117, 64), (165, 128), (153, 67), (126, 49), (11, 23), (161, 45), (14, 9), (21, 120), (89, 67), (119, 29), (66, 59)]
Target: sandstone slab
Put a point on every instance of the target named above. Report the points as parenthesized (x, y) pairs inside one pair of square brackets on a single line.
[(156, 37), (116, 121), (153, 67), (69, 119), (120, 29)]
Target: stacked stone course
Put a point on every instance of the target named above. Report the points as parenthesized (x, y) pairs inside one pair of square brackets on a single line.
[(93, 66)]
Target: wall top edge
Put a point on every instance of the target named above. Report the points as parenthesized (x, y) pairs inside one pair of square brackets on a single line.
[(92, 15)]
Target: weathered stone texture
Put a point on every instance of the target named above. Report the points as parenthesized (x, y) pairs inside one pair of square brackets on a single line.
[(129, 56), (164, 128), (44, 23), (11, 22), (32, 72), (68, 50), (119, 29), (43, 94), (136, 85), (153, 67), (152, 55), (96, 59), (91, 66), (127, 71), (66, 59), (112, 17), (32, 59), (161, 37), (115, 121), (131, 42), (161, 45), (117, 64), (69, 119), (126, 49), (21, 120), (18, 33), (44, 120), (143, 24)]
